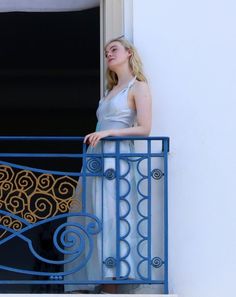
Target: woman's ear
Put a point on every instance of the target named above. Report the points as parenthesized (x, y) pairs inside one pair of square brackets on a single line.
[(129, 52)]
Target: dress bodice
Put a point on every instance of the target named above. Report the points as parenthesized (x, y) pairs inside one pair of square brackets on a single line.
[(114, 113)]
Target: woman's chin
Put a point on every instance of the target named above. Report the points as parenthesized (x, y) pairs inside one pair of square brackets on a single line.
[(114, 67), (112, 64)]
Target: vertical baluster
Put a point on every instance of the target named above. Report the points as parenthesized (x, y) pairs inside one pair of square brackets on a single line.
[(84, 169), (166, 149), (117, 156), (102, 214), (149, 212)]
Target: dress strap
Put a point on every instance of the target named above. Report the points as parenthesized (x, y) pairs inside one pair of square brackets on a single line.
[(126, 88), (131, 82)]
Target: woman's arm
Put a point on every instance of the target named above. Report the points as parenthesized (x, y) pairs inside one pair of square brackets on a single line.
[(143, 104)]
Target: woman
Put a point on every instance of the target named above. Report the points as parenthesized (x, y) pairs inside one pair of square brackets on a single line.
[(124, 111)]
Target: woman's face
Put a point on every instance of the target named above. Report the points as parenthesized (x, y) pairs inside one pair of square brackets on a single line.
[(116, 54)]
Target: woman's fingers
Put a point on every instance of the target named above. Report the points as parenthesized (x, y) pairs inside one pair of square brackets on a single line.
[(86, 138), (89, 138), (93, 138)]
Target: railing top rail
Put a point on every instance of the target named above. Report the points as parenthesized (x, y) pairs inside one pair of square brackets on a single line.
[(75, 138)]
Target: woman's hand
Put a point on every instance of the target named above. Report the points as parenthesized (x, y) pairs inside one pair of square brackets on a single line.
[(94, 137)]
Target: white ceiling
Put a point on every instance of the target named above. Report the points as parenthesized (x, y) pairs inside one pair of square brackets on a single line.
[(46, 5)]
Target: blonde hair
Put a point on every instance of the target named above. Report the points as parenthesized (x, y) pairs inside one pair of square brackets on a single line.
[(135, 64)]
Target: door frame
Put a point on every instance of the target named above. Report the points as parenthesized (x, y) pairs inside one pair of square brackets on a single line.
[(116, 20)]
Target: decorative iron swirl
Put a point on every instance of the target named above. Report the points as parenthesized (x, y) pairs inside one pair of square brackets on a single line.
[(71, 239), (6, 221), (16, 225), (35, 196), (157, 173), (16, 202), (110, 262), (7, 186), (30, 217), (6, 173), (110, 174), (26, 181), (43, 206), (157, 262), (64, 187), (46, 182), (63, 206), (94, 165), (9, 222)]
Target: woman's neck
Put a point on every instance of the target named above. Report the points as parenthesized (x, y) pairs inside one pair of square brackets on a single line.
[(124, 76)]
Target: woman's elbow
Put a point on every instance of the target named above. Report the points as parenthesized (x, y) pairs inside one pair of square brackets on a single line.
[(146, 131)]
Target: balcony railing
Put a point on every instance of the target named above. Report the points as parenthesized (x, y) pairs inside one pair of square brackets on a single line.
[(74, 216)]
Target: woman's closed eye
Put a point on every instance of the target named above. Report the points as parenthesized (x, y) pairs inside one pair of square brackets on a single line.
[(113, 49)]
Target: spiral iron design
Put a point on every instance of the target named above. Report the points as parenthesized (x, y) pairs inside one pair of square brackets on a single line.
[(71, 239), (110, 262), (29, 199), (94, 165), (33, 196), (157, 262), (110, 174), (157, 174)]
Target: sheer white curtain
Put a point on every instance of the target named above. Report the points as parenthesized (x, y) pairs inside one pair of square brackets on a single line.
[(46, 5)]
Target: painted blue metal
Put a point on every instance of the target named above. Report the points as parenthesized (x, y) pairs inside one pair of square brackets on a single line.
[(102, 216), (118, 239), (166, 150), (149, 213), (64, 235)]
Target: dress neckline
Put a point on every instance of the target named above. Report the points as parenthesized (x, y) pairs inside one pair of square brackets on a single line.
[(126, 87)]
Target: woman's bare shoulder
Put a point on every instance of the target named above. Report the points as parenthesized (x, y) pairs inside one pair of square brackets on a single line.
[(141, 87)]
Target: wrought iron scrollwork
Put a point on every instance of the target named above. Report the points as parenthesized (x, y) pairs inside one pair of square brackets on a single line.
[(157, 174), (157, 262), (94, 165), (72, 239), (110, 262), (33, 196), (110, 174)]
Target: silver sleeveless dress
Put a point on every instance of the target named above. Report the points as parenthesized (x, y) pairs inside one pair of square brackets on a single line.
[(101, 200)]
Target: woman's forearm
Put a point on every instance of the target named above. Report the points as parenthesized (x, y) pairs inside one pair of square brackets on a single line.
[(133, 131)]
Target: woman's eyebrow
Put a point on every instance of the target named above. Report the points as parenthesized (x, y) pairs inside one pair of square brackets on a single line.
[(110, 49)]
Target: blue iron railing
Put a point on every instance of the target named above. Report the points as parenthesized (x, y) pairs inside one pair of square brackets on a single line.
[(104, 221)]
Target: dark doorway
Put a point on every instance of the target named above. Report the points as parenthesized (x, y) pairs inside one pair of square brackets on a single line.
[(49, 85), (49, 75)]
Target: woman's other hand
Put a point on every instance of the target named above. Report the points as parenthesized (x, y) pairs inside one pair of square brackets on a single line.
[(93, 138)]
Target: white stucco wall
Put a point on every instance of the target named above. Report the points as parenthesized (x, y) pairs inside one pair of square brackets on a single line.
[(188, 49)]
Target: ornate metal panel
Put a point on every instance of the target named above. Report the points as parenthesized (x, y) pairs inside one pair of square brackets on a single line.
[(56, 226)]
